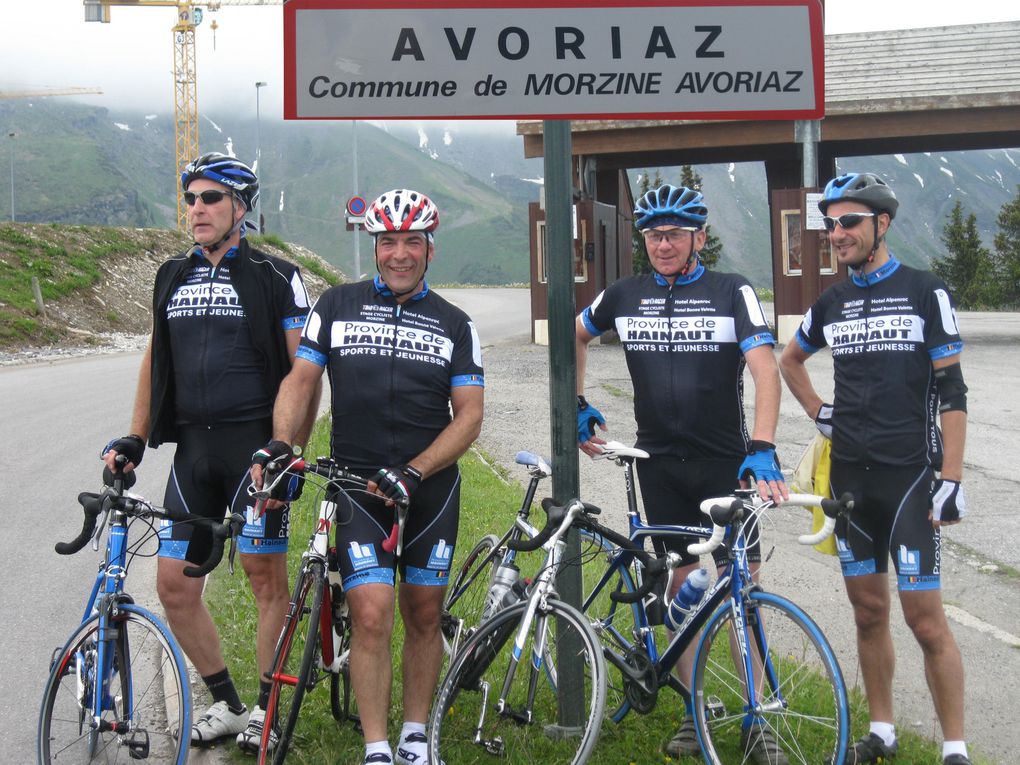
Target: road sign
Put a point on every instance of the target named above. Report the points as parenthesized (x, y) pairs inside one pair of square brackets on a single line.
[(356, 207), (582, 59)]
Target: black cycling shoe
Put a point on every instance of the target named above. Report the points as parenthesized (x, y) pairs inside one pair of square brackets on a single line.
[(870, 748), (957, 759)]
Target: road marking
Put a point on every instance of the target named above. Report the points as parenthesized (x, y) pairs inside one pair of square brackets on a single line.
[(969, 620)]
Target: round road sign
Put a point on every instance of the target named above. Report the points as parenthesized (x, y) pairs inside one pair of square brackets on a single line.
[(356, 206)]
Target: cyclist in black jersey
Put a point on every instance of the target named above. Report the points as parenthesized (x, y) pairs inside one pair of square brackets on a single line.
[(405, 368), (227, 321), (896, 362), (687, 334)]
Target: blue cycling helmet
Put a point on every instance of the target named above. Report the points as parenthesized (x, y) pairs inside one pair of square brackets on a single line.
[(866, 188), (228, 171), (686, 207)]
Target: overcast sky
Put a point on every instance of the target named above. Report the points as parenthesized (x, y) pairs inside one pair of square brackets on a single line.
[(47, 44)]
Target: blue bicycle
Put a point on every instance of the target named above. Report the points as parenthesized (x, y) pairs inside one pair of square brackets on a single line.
[(766, 683), (118, 690)]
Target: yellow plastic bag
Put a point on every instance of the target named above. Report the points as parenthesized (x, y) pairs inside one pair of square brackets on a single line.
[(811, 476)]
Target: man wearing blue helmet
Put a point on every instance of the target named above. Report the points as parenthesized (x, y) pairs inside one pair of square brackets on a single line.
[(687, 334), (896, 362), (227, 320)]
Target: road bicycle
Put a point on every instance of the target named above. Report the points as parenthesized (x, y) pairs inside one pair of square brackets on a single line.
[(528, 684), (761, 663), (315, 641), (118, 689), (470, 596)]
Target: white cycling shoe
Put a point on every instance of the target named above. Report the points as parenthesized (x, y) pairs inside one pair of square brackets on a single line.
[(217, 723)]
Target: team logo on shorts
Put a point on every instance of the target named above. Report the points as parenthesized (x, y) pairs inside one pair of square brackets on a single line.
[(910, 561), (441, 556), (251, 519), (362, 556)]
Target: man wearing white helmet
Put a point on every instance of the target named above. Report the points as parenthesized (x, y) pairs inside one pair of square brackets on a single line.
[(405, 367), (227, 320)]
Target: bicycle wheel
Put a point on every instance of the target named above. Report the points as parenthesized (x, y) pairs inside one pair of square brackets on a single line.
[(465, 597), (146, 698), (488, 705), (341, 694), (799, 690), (617, 626), (294, 662)]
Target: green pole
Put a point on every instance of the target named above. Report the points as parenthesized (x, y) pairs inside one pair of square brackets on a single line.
[(559, 200)]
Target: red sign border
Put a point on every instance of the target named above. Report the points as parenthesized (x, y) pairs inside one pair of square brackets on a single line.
[(815, 22)]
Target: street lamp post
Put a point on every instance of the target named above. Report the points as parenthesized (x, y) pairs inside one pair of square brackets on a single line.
[(258, 154), (12, 136)]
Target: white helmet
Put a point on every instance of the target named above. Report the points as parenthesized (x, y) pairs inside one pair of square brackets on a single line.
[(402, 210)]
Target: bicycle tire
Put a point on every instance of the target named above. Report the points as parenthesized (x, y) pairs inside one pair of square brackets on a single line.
[(149, 696), (293, 662), (465, 597), (509, 730), (341, 694), (616, 625), (802, 701)]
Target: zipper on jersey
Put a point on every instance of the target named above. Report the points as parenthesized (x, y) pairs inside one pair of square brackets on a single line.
[(393, 379), (203, 386), (673, 356)]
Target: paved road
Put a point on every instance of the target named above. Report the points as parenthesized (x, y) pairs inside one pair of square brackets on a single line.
[(65, 410)]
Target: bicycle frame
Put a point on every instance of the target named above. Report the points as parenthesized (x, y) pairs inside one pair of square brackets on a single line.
[(733, 582)]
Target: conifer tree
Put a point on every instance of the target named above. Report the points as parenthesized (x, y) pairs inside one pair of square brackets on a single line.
[(967, 269), (713, 248), (1007, 252), (640, 255)]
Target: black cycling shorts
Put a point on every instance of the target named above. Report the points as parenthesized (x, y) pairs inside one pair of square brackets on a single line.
[(210, 474), (672, 489), (890, 516), (430, 534)]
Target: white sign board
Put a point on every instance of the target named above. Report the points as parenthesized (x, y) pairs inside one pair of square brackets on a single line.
[(720, 59)]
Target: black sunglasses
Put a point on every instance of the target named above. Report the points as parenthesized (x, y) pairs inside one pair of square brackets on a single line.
[(210, 197), (846, 221)]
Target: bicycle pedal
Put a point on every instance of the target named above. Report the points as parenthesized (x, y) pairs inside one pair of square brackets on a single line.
[(137, 743), (494, 746)]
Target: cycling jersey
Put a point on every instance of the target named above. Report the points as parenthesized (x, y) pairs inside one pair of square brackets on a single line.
[(685, 348), (219, 349), (890, 516), (885, 329), (391, 368)]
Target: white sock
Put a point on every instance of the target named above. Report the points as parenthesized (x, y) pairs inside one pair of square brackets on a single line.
[(412, 751), (954, 747), (885, 731), (378, 747)]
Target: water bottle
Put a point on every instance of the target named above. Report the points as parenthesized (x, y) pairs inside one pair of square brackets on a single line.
[(687, 597), (506, 575)]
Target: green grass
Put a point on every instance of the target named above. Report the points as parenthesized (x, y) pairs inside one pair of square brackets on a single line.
[(490, 497)]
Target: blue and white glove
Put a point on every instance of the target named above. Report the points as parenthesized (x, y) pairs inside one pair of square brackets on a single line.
[(823, 420), (587, 418), (761, 463), (397, 482), (948, 504)]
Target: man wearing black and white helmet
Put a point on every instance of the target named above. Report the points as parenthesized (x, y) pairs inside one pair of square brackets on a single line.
[(896, 362), (227, 320), (405, 368)]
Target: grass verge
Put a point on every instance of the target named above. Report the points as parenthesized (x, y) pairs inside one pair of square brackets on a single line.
[(489, 499)]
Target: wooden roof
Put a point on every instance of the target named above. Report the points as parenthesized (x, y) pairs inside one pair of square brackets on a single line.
[(943, 88)]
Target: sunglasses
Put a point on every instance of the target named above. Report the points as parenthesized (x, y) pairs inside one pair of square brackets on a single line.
[(846, 221), (673, 235), (210, 197)]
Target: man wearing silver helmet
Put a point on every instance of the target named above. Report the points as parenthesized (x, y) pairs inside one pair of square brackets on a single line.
[(405, 368), (896, 363), (688, 391), (227, 320)]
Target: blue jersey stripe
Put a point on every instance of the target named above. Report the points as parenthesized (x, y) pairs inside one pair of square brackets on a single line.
[(461, 380), (312, 355)]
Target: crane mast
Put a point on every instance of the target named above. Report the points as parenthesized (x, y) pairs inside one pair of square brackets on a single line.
[(189, 16)]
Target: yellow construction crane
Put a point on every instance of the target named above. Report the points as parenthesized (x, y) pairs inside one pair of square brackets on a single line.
[(189, 16), (44, 92)]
